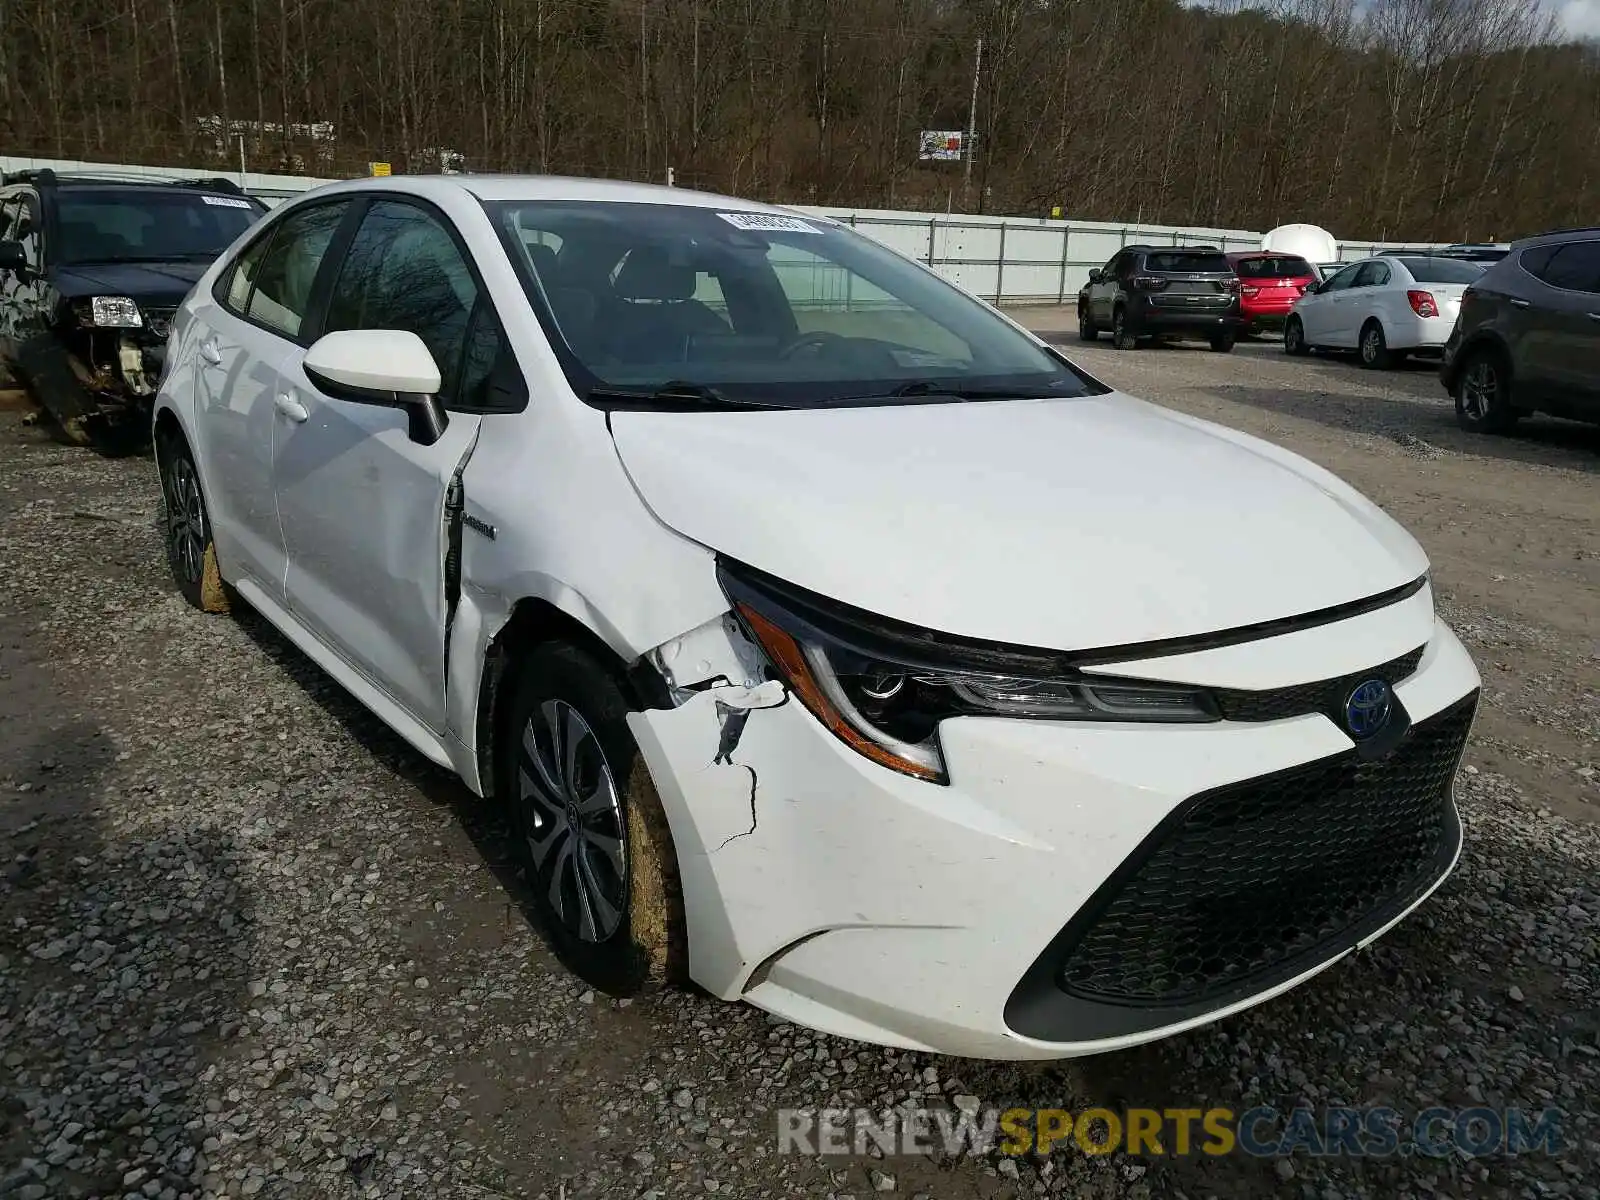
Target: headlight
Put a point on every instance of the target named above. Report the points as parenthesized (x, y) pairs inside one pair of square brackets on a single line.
[(112, 312), (883, 688)]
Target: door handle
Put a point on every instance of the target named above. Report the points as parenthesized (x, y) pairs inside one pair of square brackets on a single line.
[(290, 407), (1521, 304), (209, 352)]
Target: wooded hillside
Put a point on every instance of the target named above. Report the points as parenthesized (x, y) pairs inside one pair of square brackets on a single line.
[(1418, 119)]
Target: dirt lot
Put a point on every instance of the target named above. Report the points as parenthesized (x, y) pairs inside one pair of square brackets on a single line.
[(250, 944)]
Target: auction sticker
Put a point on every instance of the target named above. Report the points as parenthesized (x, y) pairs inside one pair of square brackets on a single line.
[(767, 222), (225, 202)]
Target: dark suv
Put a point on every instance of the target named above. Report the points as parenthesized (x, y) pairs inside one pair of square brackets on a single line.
[(1172, 291), (91, 270), (1527, 338)]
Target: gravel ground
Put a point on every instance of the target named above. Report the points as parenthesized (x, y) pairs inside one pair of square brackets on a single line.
[(251, 944)]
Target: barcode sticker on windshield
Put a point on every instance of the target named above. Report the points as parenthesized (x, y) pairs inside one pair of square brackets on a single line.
[(226, 202), (767, 222)]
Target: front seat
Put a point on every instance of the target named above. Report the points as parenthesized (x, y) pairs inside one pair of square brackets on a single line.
[(655, 312)]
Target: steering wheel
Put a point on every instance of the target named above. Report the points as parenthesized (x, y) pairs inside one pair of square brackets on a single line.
[(817, 339)]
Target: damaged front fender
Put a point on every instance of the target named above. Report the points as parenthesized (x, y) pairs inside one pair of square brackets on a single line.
[(97, 386)]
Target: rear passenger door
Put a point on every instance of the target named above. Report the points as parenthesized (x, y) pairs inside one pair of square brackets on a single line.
[(1563, 343), (242, 331), (362, 504)]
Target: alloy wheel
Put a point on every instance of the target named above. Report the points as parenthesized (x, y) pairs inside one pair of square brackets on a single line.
[(1371, 345), (186, 520), (572, 821), (1478, 387)]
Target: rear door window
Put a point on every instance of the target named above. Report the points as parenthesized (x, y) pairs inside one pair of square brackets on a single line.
[(1574, 267), (275, 292), (1372, 274)]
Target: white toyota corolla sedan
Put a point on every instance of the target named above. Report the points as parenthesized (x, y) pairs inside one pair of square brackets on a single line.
[(831, 641)]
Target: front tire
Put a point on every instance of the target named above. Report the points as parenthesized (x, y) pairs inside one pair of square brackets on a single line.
[(1088, 331), (1374, 348), (1122, 337), (1294, 338), (1483, 394), (589, 827), (186, 529)]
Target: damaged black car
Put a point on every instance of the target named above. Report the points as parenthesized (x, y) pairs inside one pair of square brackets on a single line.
[(91, 270)]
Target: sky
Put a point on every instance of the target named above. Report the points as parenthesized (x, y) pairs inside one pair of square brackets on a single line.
[(1580, 18)]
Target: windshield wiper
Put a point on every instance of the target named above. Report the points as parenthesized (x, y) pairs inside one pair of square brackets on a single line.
[(674, 396), (928, 391)]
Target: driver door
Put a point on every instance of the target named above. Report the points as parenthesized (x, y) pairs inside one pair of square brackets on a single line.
[(1318, 312), (362, 504), (1103, 295)]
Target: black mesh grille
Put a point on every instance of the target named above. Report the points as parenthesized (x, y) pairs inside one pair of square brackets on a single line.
[(1249, 876), (1326, 696)]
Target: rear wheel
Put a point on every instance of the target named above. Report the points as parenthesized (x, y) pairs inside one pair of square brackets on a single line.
[(590, 830), (1222, 343), (1483, 393), (1088, 331), (1294, 338), (186, 530), (1374, 347), (1122, 337)]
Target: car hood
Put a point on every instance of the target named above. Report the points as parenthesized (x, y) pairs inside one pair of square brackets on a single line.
[(1065, 524), (164, 284)]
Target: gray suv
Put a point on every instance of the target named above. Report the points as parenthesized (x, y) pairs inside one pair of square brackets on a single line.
[(1527, 338)]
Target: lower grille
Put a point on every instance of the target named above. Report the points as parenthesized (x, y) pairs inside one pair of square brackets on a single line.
[(1243, 879)]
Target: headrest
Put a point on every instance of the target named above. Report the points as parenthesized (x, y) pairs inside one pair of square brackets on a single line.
[(649, 274), (543, 259)]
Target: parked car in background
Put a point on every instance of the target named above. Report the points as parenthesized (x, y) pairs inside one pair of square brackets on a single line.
[(1527, 338), (1076, 724), (1484, 252), (91, 271), (1269, 284), (1383, 308), (1169, 291)]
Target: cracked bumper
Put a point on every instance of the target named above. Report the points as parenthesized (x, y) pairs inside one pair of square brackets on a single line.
[(868, 904)]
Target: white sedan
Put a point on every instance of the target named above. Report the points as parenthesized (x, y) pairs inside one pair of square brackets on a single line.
[(829, 639), (1383, 308)]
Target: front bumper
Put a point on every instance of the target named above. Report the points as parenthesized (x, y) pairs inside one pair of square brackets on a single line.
[(847, 897)]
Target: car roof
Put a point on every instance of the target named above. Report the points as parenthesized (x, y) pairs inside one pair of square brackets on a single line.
[(552, 187)]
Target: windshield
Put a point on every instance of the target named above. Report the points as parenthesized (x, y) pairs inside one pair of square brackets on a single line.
[(1443, 270), (1283, 267), (147, 225), (1197, 262), (758, 308)]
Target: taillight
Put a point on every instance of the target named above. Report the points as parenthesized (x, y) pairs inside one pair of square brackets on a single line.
[(1422, 304), (1231, 285), (1148, 283)]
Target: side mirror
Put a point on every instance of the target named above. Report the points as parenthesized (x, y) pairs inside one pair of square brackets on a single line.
[(390, 367), (1312, 287), (13, 257), (1096, 275)]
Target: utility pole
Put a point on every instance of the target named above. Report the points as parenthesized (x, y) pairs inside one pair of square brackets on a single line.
[(972, 126)]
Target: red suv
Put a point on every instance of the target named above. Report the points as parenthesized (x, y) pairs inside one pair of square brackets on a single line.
[(1269, 284)]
